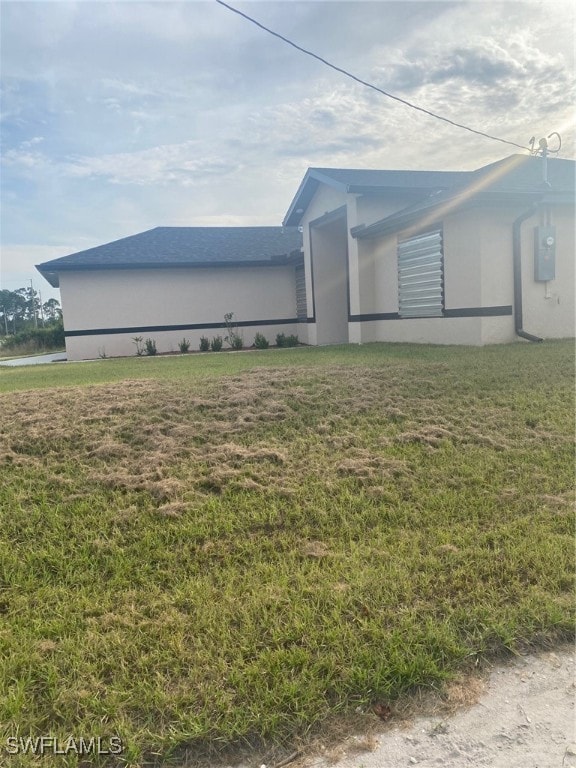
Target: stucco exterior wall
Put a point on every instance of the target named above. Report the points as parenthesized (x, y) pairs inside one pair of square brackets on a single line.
[(549, 308), (382, 296), (478, 275), (368, 280), (379, 292), (462, 239), (145, 301), (431, 330), (366, 209), (330, 282), (372, 208), (326, 200)]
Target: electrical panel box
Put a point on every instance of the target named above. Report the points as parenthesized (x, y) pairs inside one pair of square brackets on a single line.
[(544, 253)]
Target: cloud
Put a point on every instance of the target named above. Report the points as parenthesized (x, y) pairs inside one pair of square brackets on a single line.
[(119, 117), (25, 158), (186, 163), (18, 267), (331, 123), (486, 63)]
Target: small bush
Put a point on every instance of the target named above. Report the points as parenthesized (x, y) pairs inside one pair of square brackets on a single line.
[(40, 339), (216, 344), (260, 341), (204, 344), (139, 346), (286, 341), (150, 346), (236, 341), (232, 336), (184, 346)]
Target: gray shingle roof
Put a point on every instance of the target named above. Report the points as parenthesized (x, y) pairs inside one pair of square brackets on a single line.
[(516, 177), (364, 178), (182, 247), (517, 173), (365, 181)]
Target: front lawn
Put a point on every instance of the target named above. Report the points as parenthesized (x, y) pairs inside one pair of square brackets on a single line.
[(209, 550)]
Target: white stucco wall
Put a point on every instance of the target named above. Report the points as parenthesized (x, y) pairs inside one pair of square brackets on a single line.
[(431, 330), (548, 308), (326, 200), (140, 299), (330, 282), (478, 273), (372, 208), (379, 273), (463, 238)]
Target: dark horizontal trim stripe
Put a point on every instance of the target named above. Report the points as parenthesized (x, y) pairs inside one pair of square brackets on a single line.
[(462, 312), (183, 327), (374, 316), (479, 311), (307, 320)]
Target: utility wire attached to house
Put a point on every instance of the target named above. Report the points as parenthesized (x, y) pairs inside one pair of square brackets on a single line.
[(367, 84)]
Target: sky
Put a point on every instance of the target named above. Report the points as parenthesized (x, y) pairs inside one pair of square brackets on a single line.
[(117, 117)]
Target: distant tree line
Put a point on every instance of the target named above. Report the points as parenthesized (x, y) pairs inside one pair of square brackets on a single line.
[(22, 310)]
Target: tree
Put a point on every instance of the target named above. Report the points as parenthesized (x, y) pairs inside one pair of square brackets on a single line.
[(52, 311), (14, 307), (6, 303), (19, 310)]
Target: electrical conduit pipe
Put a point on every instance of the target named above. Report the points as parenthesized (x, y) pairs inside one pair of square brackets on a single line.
[(517, 265)]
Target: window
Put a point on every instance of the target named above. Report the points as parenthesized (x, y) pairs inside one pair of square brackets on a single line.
[(421, 275), (301, 294)]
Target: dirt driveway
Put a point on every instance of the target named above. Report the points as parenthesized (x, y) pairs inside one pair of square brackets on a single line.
[(518, 715), (523, 718)]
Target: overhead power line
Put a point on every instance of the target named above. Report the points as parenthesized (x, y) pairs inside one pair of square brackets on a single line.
[(367, 84)]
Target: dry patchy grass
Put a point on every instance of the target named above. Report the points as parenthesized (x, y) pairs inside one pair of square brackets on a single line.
[(198, 563)]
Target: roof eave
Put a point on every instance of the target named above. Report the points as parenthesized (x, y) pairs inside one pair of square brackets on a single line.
[(306, 191), (437, 210), (49, 276), (273, 261)]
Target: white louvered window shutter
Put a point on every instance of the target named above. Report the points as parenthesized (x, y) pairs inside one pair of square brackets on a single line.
[(421, 275), (301, 294)]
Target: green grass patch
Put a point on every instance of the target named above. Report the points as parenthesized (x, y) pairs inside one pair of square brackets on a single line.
[(212, 550)]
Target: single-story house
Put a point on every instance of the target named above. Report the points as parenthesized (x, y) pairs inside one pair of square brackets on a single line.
[(172, 283), (446, 257), (476, 257)]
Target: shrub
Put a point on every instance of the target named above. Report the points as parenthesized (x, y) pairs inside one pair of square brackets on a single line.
[(139, 347), (260, 341), (216, 344), (204, 344), (232, 337), (286, 341), (37, 338), (184, 346), (150, 346)]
